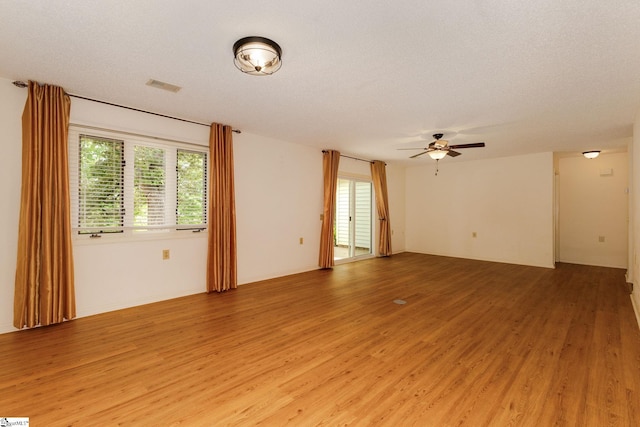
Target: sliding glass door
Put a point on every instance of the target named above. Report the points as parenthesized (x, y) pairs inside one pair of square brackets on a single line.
[(353, 220)]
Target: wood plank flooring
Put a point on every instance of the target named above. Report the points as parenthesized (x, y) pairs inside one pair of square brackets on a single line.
[(477, 344)]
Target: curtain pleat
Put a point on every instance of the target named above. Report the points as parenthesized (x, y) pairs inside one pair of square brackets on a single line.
[(330, 161), (379, 177), (44, 281), (221, 256)]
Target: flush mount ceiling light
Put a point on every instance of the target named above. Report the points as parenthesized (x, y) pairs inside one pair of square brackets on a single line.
[(591, 154), (257, 56)]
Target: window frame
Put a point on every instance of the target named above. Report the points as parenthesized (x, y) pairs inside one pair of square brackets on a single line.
[(130, 232)]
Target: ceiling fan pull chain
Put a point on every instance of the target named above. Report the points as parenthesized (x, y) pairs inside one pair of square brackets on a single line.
[(437, 163)]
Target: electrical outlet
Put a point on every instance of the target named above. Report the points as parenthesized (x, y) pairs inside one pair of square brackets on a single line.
[(601, 239), (301, 240), (474, 234), (165, 254)]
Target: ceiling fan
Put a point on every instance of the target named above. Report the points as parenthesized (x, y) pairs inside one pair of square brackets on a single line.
[(440, 148)]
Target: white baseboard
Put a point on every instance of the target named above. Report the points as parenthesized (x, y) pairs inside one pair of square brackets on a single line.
[(636, 308), (4, 329)]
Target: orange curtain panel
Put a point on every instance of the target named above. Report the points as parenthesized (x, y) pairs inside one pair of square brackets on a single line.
[(330, 161), (221, 257), (379, 177), (44, 283)]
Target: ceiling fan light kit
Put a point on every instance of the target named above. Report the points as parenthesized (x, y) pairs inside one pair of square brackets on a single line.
[(437, 154), (439, 148), (257, 56), (591, 154)]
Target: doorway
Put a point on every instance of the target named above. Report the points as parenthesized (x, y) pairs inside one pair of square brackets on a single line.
[(353, 219), (592, 213)]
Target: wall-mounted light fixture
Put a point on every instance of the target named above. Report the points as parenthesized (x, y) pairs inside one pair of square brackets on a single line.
[(257, 56), (591, 154)]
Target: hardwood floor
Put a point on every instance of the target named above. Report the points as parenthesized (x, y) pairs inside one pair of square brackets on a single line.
[(476, 343)]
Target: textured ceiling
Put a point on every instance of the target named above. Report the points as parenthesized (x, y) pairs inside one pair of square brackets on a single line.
[(363, 77)]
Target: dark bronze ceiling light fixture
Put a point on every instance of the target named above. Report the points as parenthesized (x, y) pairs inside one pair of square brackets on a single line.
[(257, 56)]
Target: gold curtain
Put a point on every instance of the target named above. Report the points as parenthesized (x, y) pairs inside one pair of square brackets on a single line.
[(221, 257), (44, 283), (330, 161), (379, 177)]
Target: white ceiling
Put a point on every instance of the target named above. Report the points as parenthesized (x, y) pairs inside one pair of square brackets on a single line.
[(363, 77)]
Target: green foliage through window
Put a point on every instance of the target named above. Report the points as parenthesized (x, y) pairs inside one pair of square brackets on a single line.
[(101, 184), (127, 185), (192, 188), (149, 186)]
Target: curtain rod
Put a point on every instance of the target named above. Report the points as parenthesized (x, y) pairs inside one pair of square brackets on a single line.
[(354, 158), (23, 85)]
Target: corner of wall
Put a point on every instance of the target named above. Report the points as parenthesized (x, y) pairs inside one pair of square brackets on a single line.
[(5, 329), (635, 301), (634, 215)]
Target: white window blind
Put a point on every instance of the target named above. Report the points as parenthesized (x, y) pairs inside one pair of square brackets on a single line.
[(149, 201), (191, 200), (99, 197), (132, 184)]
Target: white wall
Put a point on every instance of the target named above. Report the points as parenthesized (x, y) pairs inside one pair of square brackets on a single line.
[(507, 202), (630, 205), (593, 203), (278, 201), (635, 220), (12, 101), (278, 196)]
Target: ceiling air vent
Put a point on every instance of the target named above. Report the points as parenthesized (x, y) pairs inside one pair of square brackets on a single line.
[(164, 86)]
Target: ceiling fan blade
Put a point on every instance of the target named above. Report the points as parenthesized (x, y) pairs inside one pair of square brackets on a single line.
[(453, 153), (432, 144), (474, 145), (413, 148), (419, 154)]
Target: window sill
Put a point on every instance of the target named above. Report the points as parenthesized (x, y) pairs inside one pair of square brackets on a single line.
[(119, 238)]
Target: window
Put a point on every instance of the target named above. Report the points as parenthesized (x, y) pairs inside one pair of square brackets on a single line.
[(101, 180), (131, 184), (148, 186), (192, 188)]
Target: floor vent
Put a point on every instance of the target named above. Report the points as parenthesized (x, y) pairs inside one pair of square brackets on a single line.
[(399, 301)]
